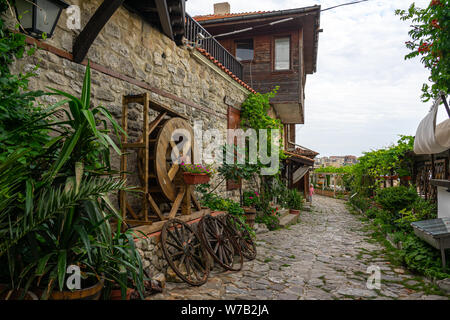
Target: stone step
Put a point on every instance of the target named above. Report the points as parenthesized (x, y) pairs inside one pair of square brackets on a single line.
[(283, 212), (288, 220)]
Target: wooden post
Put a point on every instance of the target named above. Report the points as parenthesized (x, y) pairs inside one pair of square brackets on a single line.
[(186, 206), (334, 183), (146, 155), (123, 162)]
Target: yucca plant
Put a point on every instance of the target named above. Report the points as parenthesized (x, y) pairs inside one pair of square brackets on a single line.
[(54, 211), (83, 140)]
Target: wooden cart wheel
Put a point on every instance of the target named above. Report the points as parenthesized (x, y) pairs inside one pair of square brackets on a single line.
[(219, 243), (184, 252), (161, 168), (241, 236)]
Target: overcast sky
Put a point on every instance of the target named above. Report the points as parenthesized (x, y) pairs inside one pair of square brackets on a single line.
[(364, 94)]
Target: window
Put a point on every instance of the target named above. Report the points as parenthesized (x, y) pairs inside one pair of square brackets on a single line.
[(244, 50), (282, 54)]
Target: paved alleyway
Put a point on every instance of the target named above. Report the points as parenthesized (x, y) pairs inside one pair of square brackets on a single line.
[(324, 256)]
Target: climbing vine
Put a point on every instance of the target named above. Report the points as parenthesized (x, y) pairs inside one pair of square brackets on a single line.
[(255, 115), (431, 41)]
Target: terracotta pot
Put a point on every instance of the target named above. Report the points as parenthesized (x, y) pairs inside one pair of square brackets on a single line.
[(294, 211), (116, 294), (195, 178), (250, 215)]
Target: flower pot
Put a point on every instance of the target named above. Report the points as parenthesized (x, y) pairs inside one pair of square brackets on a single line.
[(195, 178), (90, 293), (250, 215), (294, 211), (116, 294), (407, 178)]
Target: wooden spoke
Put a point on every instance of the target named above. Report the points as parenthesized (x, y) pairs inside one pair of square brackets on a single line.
[(242, 237), (173, 171), (219, 243), (183, 251)]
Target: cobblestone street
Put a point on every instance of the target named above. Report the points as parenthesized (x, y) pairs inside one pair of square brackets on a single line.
[(324, 256)]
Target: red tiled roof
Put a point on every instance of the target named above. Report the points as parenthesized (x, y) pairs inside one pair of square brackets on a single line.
[(303, 158), (221, 66), (305, 152), (226, 15)]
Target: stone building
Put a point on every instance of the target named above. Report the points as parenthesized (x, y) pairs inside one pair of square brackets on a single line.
[(136, 47)]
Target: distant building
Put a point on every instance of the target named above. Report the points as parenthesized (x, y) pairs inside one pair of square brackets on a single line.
[(336, 161)]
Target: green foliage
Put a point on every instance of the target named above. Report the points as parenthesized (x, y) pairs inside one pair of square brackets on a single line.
[(396, 198), (415, 253), (17, 104), (250, 198), (431, 41), (254, 114), (295, 200), (345, 169), (395, 159), (272, 222), (197, 168), (54, 209), (421, 257)]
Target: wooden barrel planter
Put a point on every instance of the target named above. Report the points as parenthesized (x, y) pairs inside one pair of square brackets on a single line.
[(91, 293), (250, 215)]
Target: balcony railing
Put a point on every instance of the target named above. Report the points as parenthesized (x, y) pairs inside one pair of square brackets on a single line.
[(212, 46)]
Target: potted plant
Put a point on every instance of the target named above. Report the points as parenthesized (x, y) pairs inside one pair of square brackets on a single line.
[(196, 173), (295, 201), (250, 201), (54, 209)]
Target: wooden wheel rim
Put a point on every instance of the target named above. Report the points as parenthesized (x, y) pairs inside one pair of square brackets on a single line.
[(242, 237), (187, 244), (213, 232), (164, 174)]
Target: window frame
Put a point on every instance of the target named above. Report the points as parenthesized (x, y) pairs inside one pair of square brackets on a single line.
[(288, 36), (241, 40)]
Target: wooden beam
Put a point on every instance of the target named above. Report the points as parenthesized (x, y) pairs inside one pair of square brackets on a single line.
[(93, 28), (164, 18)]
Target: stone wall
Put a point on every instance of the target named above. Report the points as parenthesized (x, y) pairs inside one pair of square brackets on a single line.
[(131, 57)]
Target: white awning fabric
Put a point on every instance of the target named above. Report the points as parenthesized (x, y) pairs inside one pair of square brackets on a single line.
[(432, 139)]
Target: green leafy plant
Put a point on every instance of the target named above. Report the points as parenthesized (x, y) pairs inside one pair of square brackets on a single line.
[(251, 198), (54, 208), (431, 41), (197, 168), (295, 200), (396, 198)]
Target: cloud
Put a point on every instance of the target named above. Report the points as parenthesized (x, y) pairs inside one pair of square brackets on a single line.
[(364, 94)]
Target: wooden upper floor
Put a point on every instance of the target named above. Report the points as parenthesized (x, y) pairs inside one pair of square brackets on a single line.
[(277, 48)]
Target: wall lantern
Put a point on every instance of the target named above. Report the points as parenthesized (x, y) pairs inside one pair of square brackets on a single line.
[(39, 16)]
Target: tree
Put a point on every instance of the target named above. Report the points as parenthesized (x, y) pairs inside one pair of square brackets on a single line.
[(431, 41)]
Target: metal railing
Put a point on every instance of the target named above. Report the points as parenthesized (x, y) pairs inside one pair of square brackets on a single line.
[(212, 46)]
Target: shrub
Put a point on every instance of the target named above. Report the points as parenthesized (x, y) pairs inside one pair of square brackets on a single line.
[(421, 257), (250, 198), (396, 198), (295, 200)]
